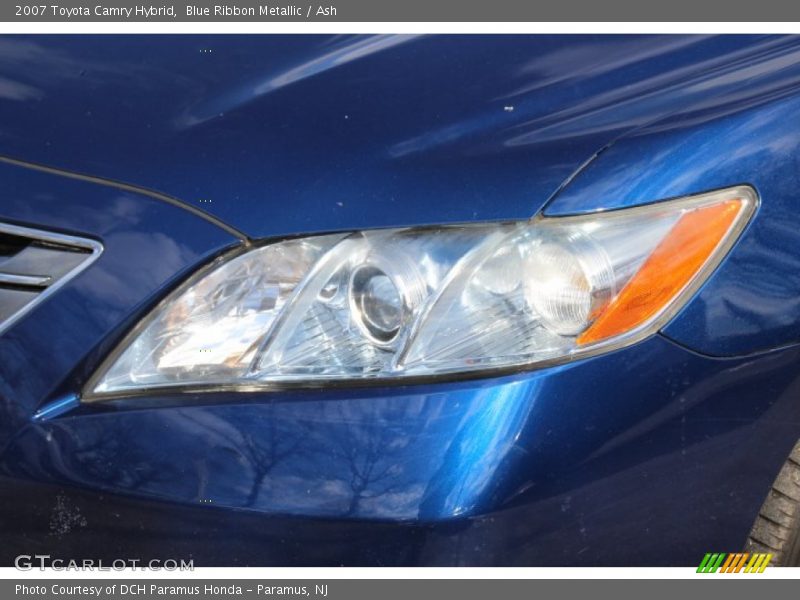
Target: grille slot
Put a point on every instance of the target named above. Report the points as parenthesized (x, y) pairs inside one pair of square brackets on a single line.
[(11, 244), (34, 264)]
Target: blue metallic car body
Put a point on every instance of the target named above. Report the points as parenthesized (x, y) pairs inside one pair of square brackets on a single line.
[(653, 454)]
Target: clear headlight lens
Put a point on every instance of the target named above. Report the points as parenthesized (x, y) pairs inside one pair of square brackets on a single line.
[(430, 301)]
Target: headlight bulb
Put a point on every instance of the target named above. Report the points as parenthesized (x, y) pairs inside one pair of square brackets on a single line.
[(567, 282)]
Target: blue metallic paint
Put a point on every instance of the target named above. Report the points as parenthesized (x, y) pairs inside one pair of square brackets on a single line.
[(645, 469), (298, 134), (649, 455)]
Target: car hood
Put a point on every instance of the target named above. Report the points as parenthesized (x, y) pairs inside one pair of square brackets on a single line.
[(279, 135)]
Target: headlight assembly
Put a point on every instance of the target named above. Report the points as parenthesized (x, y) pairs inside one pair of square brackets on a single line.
[(405, 303)]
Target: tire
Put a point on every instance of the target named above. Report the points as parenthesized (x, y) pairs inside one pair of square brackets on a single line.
[(777, 527)]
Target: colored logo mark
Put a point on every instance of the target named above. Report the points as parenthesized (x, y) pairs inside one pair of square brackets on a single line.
[(734, 563)]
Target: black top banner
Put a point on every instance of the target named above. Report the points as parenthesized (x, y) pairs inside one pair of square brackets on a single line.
[(398, 11)]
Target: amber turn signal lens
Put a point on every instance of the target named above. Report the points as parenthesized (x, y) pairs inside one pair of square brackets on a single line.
[(667, 271)]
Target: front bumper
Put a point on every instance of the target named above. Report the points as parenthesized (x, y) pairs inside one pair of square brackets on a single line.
[(651, 455)]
